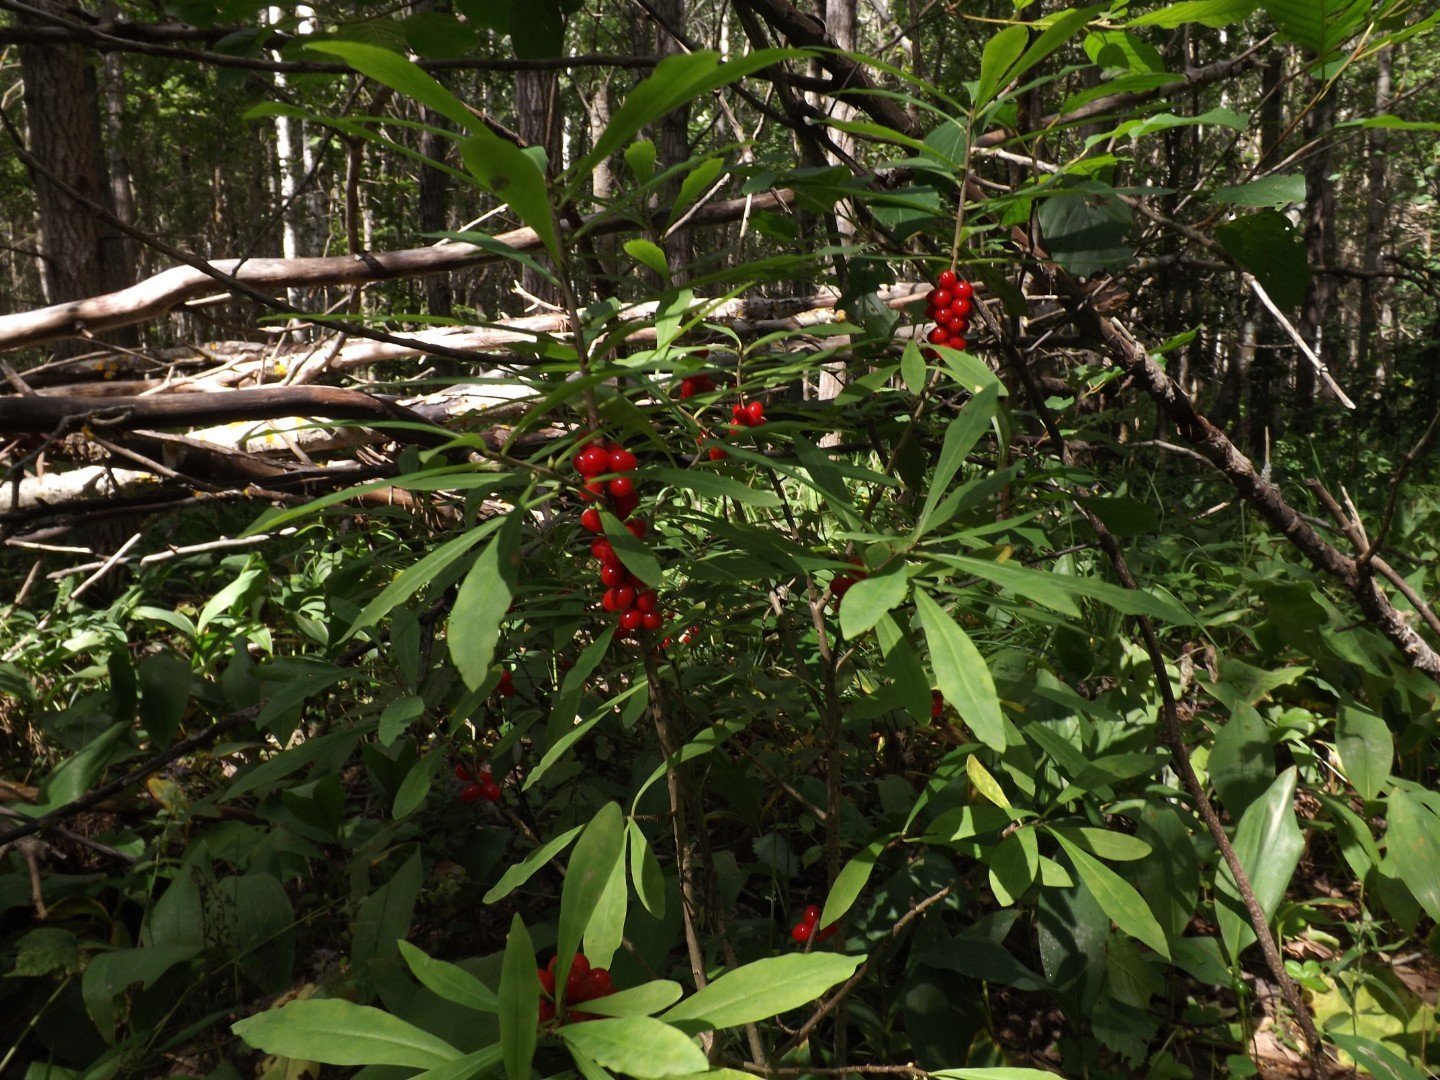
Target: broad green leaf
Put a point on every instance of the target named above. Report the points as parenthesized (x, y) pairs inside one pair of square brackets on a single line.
[(694, 185), (961, 435), (522, 871), (384, 917), (592, 863), (1412, 847), (1321, 26), (913, 369), (110, 973), (473, 629), (634, 553), (711, 485), (228, 597), (1117, 897), (985, 783), (999, 56), (1366, 747), (643, 1000), (511, 174), (764, 988), (1270, 247), (393, 70), (469, 1067), (397, 716), (76, 775), (450, 981), (645, 871), (638, 1046), (1211, 13), (1013, 865), (1269, 843), (648, 254), (1117, 49), (519, 1002), (1105, 843), (964, 679), (416, 786), (606, 928), (336, 1032), (850, 882), (872, 597), (1379, 1061), (1086, 229), (415, 577), (1276, 192), (640, 156), (1242, 761)]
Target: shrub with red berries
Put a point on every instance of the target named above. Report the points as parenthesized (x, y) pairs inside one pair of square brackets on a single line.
[(583, 984), (949, 305), (478, 785)]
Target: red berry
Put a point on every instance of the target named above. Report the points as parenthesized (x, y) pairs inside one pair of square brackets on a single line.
[(601, 549), (592, 461), (964, 290), (630, 621), (625, 504), (940, 298), (755, 413), (624, 598), (958, 343), (942, 315), (621, 460), (484, 773), (828, 932), (930, 354), (704, 382), (554, 961), (462, 773), (651, 620), (590, 521), (688, 388), (938, 336), (960, 306), (646, 601), (947, 279), (637, 528), (737, 413), (930, 298), (597, 985), (811, 914), (937, 704), (593, 489), (472, 793), (490, 791), (547, 980), (610, 601), (718, 453), (840, 585), (506, 686), (611, 575), (547, 1011), (580, 964), (957, 327), (801, 932)]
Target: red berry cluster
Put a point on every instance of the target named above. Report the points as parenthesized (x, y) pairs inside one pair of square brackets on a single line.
[(743, 414), (804, 930), (949, 305), (937, 704), (593, 462), (634, 603), (584, 983), (506, 686), (478, 785)]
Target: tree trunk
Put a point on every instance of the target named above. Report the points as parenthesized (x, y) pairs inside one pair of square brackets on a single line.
[(1377, 145), (672, 137), (79, 254), (538, 123), (1319, 252), (1264, 367)]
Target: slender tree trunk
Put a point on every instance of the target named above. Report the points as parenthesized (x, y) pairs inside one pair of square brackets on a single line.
[(1376, 211), (1319, 251), (672, 137), (435, 209), (1264, 367), (538, 123), (80, 255)]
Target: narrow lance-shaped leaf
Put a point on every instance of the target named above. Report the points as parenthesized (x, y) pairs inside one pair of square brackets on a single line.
[(484, 597), (964, 679), (519, 1002)]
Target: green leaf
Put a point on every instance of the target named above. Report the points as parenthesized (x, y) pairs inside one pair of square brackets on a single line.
[(961, 435), (393, 70), (108, 975), (397, 715), (473, 629), (640, 156), (1105, 843), (997, 1073), (850, 882), (638, 1046), (1242, 761), (600, 847), (1269, 843), (336, 1032), (643, 1000), (606, 928), (384, 917), (1272, 249), (1054, 590), (76, 775), (1085, 229), (1211, 13), (709, 485), (1277, 192), (228, 597), (914, 370), (764, 988), (519, 1002), (872, 597), (415, 577), (416, 786), (1321, 26), (1116, 896), (450, 981), (965, 681), (511, 174), (634, 553), (522, 871), (1000, 55), (695, 184), (649, 254), (985, 783), (468, 1067), (645, 871), (1013, 865), (675, 80), (1412, 847), (1366, 748), (1116, 49)]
